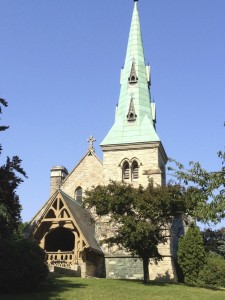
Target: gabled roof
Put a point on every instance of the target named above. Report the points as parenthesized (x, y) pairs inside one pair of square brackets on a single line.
[(39, 215), (81, 216), (84, 220), (89, 152)]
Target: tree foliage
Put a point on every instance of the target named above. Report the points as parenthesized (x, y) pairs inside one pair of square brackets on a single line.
[(22, 265), (213, 272), (5, 104), (191, 254), (208, 188), (10, 179), (214, 240), (141, 216)]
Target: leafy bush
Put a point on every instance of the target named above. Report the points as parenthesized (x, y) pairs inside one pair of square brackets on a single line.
[(22, 265), (191, 254), (213, 273)]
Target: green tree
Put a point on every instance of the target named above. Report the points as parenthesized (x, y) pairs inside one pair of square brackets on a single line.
[(141, 216), (2, 128), (213, 272), (214, 240), (191, 254), (22, 262), (23, 266), (207, 189), (10, 179)]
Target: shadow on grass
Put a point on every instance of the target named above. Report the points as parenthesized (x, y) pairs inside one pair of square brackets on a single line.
[(213, 288), (56, 286), (153, 283), (167, 284), (49, 290), (60, 285), (141, 282)]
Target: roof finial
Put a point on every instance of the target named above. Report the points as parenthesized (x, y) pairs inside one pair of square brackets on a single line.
[(91, 140)]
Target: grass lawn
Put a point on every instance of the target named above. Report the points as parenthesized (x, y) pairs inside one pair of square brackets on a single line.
[(71, 288)]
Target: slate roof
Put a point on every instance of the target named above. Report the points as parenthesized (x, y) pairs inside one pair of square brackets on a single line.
[(84, 221)]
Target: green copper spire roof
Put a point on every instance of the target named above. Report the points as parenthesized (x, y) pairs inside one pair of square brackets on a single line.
[(135, 114)]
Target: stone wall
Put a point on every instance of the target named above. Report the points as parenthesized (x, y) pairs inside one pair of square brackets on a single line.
[(88, 173), (163, 270), (120, 264), (124, 267), (66, 272), (95, 265), (149, 156), (129, 267)]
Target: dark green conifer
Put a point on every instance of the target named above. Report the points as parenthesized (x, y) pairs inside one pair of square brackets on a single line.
[(10, 179), (191, 254)]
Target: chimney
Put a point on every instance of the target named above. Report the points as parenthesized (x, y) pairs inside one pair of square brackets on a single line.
[(58, 174)]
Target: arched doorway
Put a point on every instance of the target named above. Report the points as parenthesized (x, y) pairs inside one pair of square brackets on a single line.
[(59, 246), (60, 239)]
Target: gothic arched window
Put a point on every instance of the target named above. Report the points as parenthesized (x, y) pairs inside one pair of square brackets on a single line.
[(126, 171), (78, 194), (135, 170)]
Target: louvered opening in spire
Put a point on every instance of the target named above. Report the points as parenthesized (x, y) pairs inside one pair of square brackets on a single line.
[(131, 116), (133, 79)]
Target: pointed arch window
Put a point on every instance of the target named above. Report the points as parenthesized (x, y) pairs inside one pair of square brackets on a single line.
[(78, 194), (135, 170), (126, 171)]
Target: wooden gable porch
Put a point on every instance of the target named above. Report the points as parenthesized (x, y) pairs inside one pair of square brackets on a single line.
[(65, 230)]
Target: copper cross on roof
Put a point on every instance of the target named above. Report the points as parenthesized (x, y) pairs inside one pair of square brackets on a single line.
[(91, 141)]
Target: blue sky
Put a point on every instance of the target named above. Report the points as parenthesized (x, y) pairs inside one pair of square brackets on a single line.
[(60, 64)]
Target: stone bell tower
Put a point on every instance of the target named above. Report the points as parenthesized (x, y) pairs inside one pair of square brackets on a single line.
[(133, 153)]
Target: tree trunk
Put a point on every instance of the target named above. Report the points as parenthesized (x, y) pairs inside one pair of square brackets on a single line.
[(145, 269)]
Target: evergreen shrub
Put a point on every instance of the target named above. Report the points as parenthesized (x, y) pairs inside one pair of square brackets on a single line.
[(213, 273), (22, 266), (191, 254)]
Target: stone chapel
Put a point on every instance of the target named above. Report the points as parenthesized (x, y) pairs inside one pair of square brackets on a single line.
[(132, 152)]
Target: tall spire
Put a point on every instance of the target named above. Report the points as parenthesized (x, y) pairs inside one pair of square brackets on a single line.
[(135, 93)]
